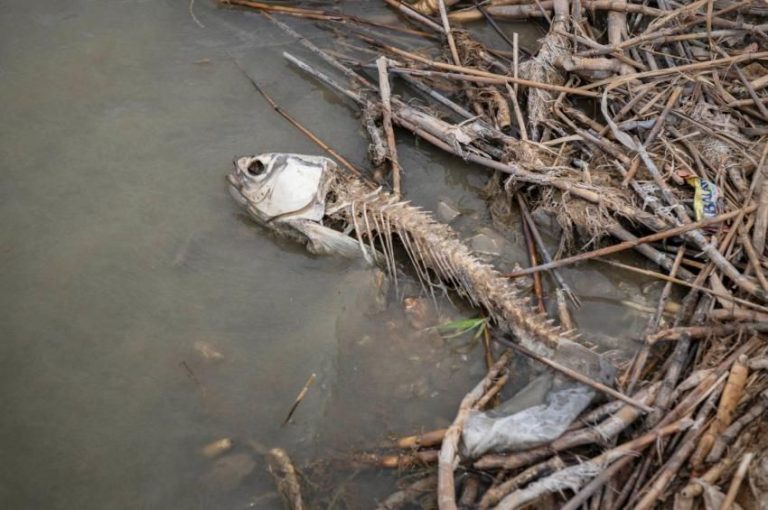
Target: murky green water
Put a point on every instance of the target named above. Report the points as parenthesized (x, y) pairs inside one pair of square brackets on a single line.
[(121, 251)]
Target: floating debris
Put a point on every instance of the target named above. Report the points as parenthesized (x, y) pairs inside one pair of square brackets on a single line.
[(217, 447), (207, 351)]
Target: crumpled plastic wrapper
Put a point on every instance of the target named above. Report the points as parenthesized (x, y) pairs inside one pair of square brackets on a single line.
[(541, 411)]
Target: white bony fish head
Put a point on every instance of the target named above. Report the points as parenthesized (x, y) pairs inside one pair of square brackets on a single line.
[(280, 187)]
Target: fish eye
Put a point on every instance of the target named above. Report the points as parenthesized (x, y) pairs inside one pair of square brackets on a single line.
[(256, 168)]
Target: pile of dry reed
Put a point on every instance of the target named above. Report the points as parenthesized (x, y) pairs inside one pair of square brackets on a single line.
[(645, 122)]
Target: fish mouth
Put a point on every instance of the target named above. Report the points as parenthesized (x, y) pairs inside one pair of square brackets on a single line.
[(235, 187), (235, 180)]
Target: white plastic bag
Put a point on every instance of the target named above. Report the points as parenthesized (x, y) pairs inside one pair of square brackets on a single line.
[(541, 411)]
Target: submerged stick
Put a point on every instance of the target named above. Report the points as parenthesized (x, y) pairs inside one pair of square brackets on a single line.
[(183, 364), (300, 397), (564, 288)]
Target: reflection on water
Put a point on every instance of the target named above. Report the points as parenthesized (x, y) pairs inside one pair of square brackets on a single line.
[(122, 254)]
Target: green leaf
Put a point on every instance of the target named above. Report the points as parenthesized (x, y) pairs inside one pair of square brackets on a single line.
[(457, 328)]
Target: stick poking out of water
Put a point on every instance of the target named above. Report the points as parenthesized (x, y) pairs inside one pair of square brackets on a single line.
[(300, 397)]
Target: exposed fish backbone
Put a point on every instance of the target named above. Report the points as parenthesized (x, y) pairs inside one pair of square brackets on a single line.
[(309, 199)]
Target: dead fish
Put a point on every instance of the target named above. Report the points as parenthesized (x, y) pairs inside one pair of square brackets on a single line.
[(309, 199), (287, 194)]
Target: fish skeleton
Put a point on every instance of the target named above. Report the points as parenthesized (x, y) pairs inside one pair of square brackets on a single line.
[(311, 200)]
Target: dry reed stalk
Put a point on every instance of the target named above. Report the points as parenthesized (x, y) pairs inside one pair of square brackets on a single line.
[(732, 432), (573, 477), (596, 484), (733, 489), (496, 493), (408, 460), (705, 331), (426, 439), (628, 244), (386, 103), (734, 388), (694, 489), (448, 458), (675, 461), (409, 11), (761, 216)]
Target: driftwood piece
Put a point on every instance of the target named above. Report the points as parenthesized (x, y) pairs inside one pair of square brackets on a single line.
[(734, 387)]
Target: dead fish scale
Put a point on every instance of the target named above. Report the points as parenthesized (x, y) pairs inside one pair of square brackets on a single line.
[(376, 217)]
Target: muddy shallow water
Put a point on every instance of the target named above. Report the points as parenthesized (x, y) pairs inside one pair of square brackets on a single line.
[(123, 257)]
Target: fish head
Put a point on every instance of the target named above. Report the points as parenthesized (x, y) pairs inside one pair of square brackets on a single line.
[(278, 187)]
